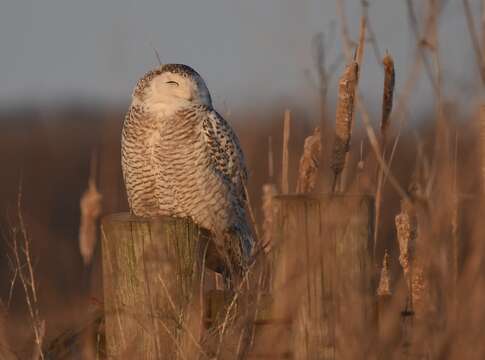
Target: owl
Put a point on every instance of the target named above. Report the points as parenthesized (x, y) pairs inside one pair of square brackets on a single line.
[(180, 158)]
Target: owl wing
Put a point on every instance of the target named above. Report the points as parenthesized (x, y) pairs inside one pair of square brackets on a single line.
[(225, 150)]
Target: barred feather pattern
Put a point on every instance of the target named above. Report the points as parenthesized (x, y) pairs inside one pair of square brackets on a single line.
[(189, 164)]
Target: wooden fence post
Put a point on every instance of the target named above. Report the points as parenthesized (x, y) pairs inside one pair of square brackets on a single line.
[(151, 274), (325, 280)]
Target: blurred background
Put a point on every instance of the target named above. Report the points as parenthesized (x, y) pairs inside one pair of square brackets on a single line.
[(68, 68), (90, 53)]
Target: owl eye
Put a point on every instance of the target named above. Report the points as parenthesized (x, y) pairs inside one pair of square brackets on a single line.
[(173, 83)]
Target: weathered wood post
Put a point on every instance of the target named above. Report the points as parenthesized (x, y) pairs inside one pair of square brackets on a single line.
[(325, 280), (151, 275)]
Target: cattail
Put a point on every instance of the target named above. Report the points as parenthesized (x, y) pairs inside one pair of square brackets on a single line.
[(384, 288), (286, 139), (309, 162), (91, 207), (343, 121), (406, 226), (387, 100), (388, 94), (412, 264)]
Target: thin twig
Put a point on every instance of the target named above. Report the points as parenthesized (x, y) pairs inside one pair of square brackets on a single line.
[(28, 282), (474, 38), (377, 151), (420, 41), (372, 36)]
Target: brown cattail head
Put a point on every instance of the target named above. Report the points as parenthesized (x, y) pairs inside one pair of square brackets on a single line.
[(344, 116), (384, 288), (91, 207), (388, 94), (309, 163), (406, 226)]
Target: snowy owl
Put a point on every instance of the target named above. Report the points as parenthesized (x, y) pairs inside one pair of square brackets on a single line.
[(181, 158)]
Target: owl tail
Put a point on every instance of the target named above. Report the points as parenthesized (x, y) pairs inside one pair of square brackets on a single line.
[(238, 245)]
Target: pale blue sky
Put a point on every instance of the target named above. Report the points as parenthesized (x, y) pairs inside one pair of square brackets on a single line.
[(247, 50)]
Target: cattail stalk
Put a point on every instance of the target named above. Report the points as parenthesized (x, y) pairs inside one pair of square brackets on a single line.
[(286, 139), (360, 49), (387, 102), (37, 352), (482, 21), (309, 163), (343, 121)]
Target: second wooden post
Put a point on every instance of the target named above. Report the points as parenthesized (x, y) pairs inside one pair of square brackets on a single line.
[(324, 280)]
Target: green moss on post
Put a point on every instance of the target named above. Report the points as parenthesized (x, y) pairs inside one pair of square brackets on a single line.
[(151, 275)]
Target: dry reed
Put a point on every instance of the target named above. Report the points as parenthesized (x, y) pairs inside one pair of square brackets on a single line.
[(270, 159), (474, 39), (269, 191), (309, 163), (286, 139), (482, 146), (37, 352), (360, 49)]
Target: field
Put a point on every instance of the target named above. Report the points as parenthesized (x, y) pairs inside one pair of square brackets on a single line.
[(425, 179)]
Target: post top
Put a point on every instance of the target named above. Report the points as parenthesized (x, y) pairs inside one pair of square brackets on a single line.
[(129, 217), (324, 196)]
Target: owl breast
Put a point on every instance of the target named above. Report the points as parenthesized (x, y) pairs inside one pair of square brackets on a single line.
[(167, 170)]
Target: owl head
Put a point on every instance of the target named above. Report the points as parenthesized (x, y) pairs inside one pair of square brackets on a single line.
[(172, 85)]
